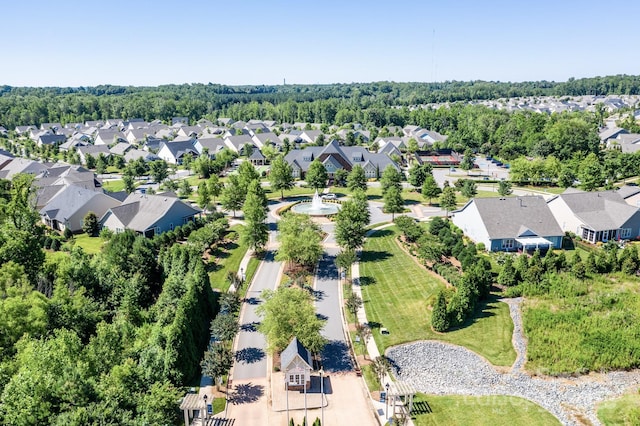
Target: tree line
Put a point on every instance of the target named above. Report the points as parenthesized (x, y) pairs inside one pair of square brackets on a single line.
[(330, 103)]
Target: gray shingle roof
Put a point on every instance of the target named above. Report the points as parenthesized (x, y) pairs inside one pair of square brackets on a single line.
[(295, 348), (599, 211), (513, 217)]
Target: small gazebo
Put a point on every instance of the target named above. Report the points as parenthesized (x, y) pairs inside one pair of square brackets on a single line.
[(193, 402), (402, 391)]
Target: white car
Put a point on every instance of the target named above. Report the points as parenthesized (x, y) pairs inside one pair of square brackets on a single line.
[(329, 196)]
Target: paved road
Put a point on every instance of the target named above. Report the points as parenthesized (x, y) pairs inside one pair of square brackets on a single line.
[(251, 358), (335, 356)]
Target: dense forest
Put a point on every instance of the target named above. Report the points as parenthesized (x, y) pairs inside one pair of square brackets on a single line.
[(367, 103)]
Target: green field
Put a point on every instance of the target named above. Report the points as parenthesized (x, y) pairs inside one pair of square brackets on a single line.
[(398, 292), (584, 325), (479, 411), (620, 411), (224, 259)]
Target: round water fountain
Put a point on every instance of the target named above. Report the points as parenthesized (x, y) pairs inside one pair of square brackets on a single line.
[(316, 207)]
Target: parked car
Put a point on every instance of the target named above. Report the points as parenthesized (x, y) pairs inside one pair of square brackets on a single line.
[(329, 196)]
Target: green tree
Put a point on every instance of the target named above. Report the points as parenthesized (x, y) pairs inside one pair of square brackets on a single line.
[(300, 240), (185, 188), (430, 188), (508, 275), (448, 200), (215, 186), (204, 197), (391, 177), (90, 161), (247, 174), (340, 177), (281, 175), (590, 173), (286, 313), (357, 178), (345, 259), (467, 160), (504, 188), (353, 303), (393, 202), (129, 183), (216, 362), (469, 189), (101, 164), (90, 224), (316, 176), (255, 233), (351, 222), (439, 317), (224, 327), (418, 174), (158, 170), (233, 195)]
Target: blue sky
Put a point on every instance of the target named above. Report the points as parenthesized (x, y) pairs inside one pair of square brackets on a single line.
[(140, 42)]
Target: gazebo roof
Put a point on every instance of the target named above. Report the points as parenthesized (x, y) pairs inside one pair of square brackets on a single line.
[(192, 401), (400, 388)]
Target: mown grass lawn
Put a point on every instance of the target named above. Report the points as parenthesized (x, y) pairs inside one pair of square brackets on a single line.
[(620, 411), (479, 411), (397, 293), (113, 185), (224, 259), (91, 245)]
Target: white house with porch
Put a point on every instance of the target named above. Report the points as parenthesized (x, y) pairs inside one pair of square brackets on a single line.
[(509, 224), (596, 216)]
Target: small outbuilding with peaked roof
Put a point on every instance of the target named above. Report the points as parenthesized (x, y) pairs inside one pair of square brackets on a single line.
[(296, 364)]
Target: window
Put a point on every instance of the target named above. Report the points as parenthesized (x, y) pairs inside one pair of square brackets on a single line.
[(508, 243), (625, 233), (296, 379), (171, 226)]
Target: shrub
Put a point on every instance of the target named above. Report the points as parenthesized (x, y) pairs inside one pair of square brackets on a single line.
[(480, 247), (55, 244), (67, 233)]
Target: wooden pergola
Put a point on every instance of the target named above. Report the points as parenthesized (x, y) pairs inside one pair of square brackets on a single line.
[(401, 390), (190, 403)]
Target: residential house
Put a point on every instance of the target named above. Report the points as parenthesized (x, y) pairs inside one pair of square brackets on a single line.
[(93, 151), (189, 131), (335, 157), (50, 139), (174, 152), (24, 130), (596, 216), (148, 215), (134, 154), (266, 139), (296, 363), (3, 131), (237, 143), (137, 136), (109, 137), (630, 194), (69, 206), (121, 148), (510, 224), (211, 145), (21, 165)]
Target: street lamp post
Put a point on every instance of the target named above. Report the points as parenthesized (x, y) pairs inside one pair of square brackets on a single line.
[(286, 388), (322, 396), (242, 275), (386, 401), (204, 413)]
